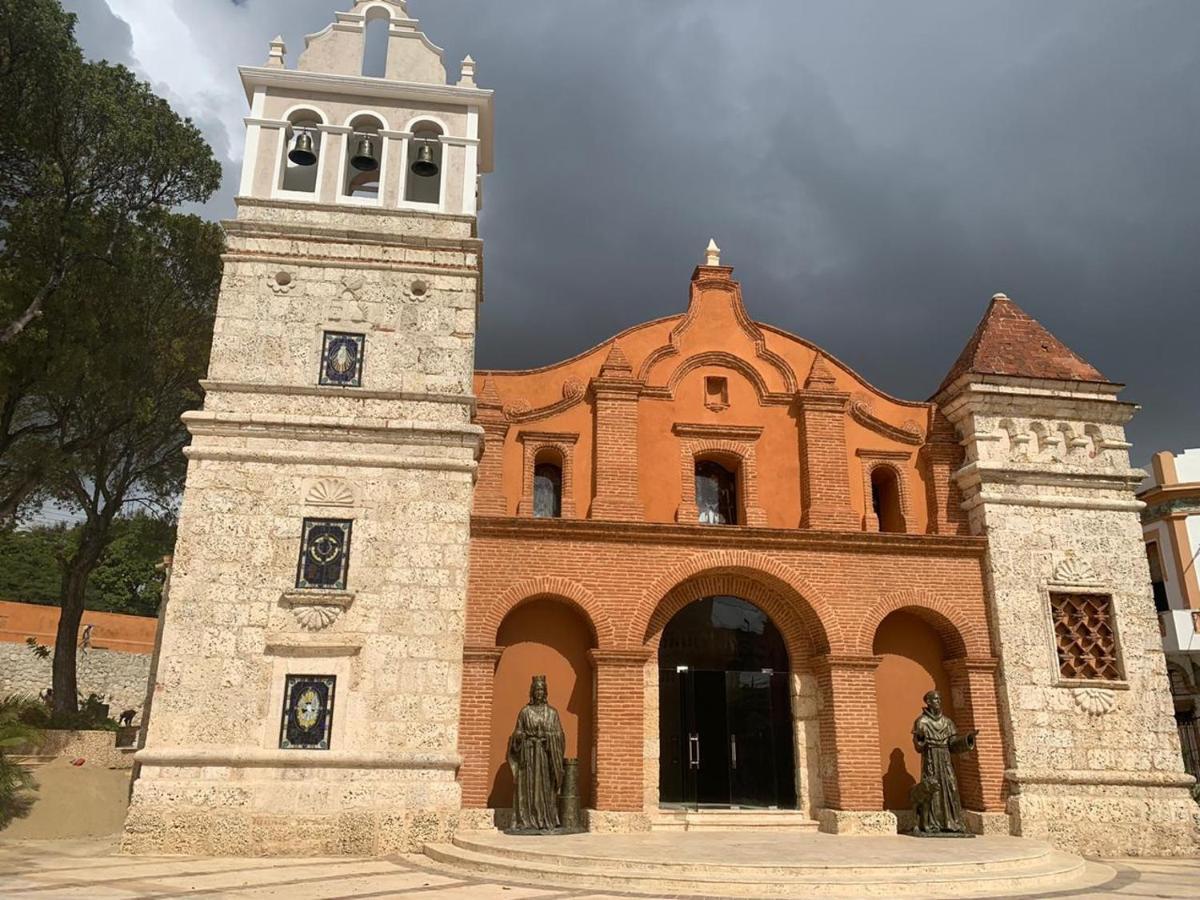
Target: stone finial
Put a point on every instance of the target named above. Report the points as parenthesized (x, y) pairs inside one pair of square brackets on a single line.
[(467, 78), (999, 296), (616, 364), (712, 254), (277, 54)]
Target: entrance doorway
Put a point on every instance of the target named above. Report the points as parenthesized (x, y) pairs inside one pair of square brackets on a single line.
[(725, 720)]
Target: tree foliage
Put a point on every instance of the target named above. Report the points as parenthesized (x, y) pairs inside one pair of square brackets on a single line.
[(106, 296), (89, 157), (126, 580)]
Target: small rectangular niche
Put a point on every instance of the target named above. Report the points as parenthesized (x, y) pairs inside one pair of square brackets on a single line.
[(716, 392)]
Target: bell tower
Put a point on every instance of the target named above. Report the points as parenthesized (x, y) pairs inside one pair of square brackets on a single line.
[(307, 695)]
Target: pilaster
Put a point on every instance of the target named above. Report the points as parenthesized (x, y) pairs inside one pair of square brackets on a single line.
[(616, 394), (825, 466)]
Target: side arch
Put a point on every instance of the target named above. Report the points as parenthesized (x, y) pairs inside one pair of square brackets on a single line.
[(788, 596), (959, 635), (723, 360), (561, 589)]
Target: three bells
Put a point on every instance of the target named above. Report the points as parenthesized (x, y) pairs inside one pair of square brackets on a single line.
[(304, 153)]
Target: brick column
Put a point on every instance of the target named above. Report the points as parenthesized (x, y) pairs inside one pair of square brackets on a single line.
[(980, 774), (616, 393), (825, 468), (475, 722), (942, 457), (489, 477), (849, 732), (620, 728)]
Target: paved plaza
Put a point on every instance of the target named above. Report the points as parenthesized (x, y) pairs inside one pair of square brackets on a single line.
[(92, 869)]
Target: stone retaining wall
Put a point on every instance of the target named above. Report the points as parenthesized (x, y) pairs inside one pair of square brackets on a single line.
[(120, 678)]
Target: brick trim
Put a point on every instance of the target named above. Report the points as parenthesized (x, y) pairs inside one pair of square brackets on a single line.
[(561, 589), (789, 596), (872, 460), (959, 636)]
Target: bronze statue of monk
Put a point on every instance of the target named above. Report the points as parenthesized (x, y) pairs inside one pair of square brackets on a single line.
[(535, 755), (936, 800)]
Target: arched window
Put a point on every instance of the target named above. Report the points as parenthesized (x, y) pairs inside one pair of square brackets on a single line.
[(885, 499), (547, 491), (363, 168), (716, 493), (375, 43), (301, 151), (423, 180)]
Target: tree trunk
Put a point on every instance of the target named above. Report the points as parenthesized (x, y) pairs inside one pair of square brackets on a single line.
[(78, 570)]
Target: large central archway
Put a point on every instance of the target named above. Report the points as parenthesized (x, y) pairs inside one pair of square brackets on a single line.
[(725, 718)]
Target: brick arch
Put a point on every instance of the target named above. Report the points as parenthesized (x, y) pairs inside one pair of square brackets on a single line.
[(562, 590), (785, 595), (719, 358), (959, 635)]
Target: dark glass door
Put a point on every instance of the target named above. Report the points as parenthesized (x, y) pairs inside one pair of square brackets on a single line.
[(722, 742), (752, 776)]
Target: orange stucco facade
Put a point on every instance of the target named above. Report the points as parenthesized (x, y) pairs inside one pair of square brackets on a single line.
[(111, 631), (871, 618)]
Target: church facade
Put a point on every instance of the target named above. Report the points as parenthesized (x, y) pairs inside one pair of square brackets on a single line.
[(737, 563)]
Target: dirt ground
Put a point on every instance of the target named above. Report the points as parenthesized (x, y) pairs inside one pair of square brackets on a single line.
[(71, 803)]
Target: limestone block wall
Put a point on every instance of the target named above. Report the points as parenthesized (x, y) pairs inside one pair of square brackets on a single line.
[(1093, 764), (120, 678), (271, 448)]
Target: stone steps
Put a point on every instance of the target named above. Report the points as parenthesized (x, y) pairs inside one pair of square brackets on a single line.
[(844, 868), (731, 820)]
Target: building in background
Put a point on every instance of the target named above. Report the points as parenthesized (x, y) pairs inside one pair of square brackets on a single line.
[(1171, 525)]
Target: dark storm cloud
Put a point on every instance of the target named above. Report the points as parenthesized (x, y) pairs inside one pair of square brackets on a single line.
[(874, 170)]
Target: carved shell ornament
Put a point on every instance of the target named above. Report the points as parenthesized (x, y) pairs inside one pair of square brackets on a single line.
[(330, 492), (1075, 571), (315, 618), (573, 388), (1095, 701), (517, 408)]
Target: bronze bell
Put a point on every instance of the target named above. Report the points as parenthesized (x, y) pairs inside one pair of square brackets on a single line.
[(364, 158), (302, 152), (424, 165)]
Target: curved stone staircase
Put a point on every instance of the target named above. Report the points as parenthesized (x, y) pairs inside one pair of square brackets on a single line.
[(771, 865)]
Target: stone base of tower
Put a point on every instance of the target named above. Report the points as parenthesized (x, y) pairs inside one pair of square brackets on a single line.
[(290, 812), (1109, 820)]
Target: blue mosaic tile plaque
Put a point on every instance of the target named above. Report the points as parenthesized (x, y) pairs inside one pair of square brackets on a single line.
[(307, 712), (342, 359), (324, 554)]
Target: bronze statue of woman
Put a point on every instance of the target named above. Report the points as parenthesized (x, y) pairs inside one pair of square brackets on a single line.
[(535, 755), (936, 800)]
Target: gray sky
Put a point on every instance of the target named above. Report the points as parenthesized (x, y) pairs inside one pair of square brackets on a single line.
[(874, 170)]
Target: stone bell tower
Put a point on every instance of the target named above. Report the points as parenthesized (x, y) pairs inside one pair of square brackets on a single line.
[(1093, 760), (307, 698)]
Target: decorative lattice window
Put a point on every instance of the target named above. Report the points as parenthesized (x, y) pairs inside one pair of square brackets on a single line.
[(1086, 636)]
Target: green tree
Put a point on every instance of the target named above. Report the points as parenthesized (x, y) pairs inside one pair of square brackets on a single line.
[(88, 156), (30, 569), (148, 323)]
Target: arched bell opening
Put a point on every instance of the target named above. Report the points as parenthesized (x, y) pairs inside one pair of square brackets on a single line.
[(544, 636), (423, 180), (301, 152), (725, 715), (362, 171), (912, 663)]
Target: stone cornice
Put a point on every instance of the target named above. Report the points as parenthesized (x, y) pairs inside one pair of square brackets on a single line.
[(330, 428), (1026, 397), (319, 457), (1017, 473), (248, 758), (706, 536), (1125, 779), (309, 206), (348, 393)]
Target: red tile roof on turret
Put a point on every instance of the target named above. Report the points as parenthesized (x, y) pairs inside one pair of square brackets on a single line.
[(1008, 341)]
